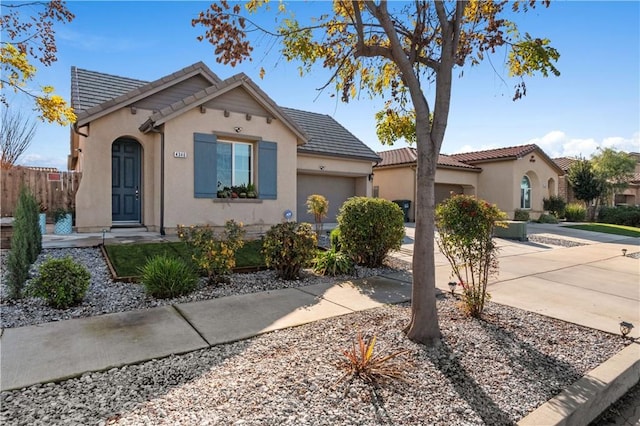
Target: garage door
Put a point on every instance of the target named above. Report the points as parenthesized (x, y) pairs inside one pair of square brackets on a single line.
[(336, 189), (443, 191)]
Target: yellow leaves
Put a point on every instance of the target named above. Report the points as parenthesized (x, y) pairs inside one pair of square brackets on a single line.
[(17, 62), (19, 71), (54, 109)]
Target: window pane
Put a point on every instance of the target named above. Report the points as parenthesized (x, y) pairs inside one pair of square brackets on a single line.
[(224, 164), (242, 166), (525, 193)]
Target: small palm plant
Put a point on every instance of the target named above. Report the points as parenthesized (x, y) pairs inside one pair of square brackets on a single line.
[(363, 363), (318, 206)]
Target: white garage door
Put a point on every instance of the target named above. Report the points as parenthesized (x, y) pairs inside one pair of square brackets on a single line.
[(336, 189)]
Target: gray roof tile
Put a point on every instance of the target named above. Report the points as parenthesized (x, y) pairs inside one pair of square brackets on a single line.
[(94, 92), (328, 137)]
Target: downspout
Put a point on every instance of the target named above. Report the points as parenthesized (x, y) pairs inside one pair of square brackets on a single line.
[(157, 130)]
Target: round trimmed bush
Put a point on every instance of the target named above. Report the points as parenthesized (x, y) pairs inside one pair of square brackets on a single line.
[(61, 282), (288, 247), (165, 277), (370, 228)]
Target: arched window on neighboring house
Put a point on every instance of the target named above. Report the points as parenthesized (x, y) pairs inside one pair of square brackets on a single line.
[(525, 193)]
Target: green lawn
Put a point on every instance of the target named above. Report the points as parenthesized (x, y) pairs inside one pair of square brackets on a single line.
[(604, 228), (128, 258)]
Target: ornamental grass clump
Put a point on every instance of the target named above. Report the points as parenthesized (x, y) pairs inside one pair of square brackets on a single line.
[(369, 229), (465, 227), (61, 282), (214, 254), (333, 262), (165, 277), (361, 362), (288, 248)]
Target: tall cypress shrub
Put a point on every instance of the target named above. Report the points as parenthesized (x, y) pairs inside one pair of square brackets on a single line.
[(26, 242)]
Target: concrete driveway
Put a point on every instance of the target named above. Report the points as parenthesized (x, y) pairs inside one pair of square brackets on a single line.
[(592, 284)]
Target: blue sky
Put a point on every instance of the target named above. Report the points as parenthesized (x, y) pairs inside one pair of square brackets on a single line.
[(594, 103)]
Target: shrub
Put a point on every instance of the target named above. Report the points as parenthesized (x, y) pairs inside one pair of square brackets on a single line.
[(465, 237), (288, 247), (165, 277), (215, 255), (61, 282), (370, 228), (26, 242), (521, 215), (318, 206), (333, 262), (555, 205), (547, 218), (575, 213), (362, 362), (334, 239), (621, 215)]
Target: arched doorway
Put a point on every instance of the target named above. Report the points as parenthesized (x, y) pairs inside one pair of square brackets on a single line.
[(125, 182)]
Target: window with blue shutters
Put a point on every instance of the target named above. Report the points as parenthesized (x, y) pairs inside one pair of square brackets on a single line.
[(220, 164)]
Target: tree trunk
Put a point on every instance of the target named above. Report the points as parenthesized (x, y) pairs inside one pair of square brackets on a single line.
[(424, 327)]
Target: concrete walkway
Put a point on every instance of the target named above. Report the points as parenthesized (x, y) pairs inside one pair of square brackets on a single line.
[(592, 285)]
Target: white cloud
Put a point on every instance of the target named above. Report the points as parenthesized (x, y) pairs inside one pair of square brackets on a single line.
[(470, 148), (558, 144), (37, 160)]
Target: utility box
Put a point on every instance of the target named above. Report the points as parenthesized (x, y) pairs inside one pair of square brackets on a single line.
[(405, 205), (515, 230)]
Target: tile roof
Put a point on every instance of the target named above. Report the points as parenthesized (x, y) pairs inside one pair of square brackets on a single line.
[(564, 162), (507, 153), (408, 155), (95, 93), (90, 88), (328, 137)]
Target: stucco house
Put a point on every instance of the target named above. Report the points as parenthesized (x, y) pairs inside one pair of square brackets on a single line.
[(173, 143), (513, 178), (629, 196)]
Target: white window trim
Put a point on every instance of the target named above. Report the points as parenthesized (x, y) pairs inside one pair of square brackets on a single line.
[(233, 159)]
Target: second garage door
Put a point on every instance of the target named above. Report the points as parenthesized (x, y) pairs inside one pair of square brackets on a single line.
[(336, 189)]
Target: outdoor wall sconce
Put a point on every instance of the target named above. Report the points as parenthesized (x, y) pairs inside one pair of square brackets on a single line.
[(452, 286), (532, 159), (134, 110), (625, 328), (248, 117), (370, 177), (237, 129), (226, 113), (269, 120), (203, 109), (624, 252)]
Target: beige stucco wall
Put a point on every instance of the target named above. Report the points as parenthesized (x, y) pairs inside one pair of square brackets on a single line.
[(499, 183), (179, 172), (93, 200), (398, 183)]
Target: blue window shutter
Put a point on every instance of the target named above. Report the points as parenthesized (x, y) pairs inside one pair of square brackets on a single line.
[(204, 166), (268, 170)]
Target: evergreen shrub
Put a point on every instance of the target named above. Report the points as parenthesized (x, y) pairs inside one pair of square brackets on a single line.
[(369, 229)]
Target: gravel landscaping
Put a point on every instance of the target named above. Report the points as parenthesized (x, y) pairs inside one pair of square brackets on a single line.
[(492, 371)]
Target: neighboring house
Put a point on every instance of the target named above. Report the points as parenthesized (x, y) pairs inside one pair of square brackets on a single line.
[(176, 141), (512, 178), (629, 196)]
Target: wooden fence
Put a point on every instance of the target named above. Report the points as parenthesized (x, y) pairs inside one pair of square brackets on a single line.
[(52, 189)]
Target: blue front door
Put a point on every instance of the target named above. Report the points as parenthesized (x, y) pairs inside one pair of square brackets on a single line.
[(125, 181)]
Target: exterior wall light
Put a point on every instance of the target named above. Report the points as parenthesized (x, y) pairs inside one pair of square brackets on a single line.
[(625, 328), (452, 286), (624, 252)]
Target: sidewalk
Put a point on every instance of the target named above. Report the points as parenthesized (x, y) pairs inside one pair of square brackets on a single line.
[(592, 285)]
